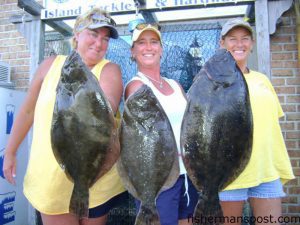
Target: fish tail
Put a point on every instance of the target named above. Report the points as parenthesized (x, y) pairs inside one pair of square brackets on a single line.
[(79, 203), (208, 212), (147, 216)]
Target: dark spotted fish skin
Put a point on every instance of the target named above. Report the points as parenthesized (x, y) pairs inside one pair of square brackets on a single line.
[(217, 130), (83, 131), (148, 161)]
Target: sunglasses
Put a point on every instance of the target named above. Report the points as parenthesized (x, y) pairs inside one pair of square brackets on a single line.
[(99, 18), (95, 19), (141, 26)]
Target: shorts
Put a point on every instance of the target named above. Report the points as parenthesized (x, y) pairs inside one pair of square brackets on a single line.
[(175, 204), (273, 189), (103, 209)]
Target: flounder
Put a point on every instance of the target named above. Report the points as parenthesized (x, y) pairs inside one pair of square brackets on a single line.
[(84, 131), (148, 162), (216, 133)]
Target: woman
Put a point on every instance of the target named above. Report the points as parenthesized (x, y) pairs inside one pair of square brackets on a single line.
[(175, 205), (269, 166), (46, 185)]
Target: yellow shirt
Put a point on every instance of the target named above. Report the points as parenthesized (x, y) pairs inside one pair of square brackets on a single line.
[(269, 159), (46, 186)]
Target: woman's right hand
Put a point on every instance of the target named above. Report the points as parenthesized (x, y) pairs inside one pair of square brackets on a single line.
[(9, 167)]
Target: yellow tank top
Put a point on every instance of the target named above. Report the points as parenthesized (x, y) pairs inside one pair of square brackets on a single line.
[(45, 184), (269, 159)]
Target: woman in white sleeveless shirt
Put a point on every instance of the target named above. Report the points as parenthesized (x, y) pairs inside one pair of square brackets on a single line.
[(175, 205)]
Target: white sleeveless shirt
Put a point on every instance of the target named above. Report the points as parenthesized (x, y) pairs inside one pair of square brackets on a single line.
[(174, 106)]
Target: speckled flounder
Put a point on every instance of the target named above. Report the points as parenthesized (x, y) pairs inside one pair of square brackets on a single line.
[(83, 131), (216, 134), (148, 161)]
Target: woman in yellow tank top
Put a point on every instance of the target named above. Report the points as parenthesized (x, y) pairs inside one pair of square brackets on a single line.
[(46, 185)]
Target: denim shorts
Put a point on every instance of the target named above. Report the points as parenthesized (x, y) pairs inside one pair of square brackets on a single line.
[(273, 189), (103, 209), (175, 203)]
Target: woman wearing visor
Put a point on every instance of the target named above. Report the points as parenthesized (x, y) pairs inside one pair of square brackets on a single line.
[(175, 205), (45, 185)]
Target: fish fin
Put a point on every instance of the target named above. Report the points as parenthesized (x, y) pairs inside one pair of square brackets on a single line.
[(173, 175), (126, 179), (174, 171), (112, 152), (79, 203), (147, 216), (208, 211)]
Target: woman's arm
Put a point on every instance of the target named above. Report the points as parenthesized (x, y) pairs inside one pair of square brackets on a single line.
[(111, 84), (132, 87), (23, 121)]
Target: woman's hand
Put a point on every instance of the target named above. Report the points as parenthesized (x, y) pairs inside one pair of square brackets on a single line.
[(9, 167)]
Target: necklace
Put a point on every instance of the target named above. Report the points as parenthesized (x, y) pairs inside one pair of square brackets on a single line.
[(158, 82)]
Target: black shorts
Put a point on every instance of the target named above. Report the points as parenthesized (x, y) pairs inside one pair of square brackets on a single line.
[(103, 209)]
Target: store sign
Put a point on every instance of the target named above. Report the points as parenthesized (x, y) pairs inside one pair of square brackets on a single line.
[(73, 8), (181, 3)]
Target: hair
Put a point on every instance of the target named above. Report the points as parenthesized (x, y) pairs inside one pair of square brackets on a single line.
[(85, 18)]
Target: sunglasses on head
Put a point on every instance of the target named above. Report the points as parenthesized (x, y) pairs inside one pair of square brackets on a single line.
[(141, 26), (99, 18)]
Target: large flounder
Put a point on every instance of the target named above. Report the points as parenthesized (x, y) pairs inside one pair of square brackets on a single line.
[(216, 134), (83, 131), (148, 161)]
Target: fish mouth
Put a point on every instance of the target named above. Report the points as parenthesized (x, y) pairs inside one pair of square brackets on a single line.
[(72, 58)]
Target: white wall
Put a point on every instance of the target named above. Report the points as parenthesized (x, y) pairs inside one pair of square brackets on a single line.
[(13, 204)]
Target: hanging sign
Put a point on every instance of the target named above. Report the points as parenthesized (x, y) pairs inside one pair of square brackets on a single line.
[(183, 3), (72, 8)]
